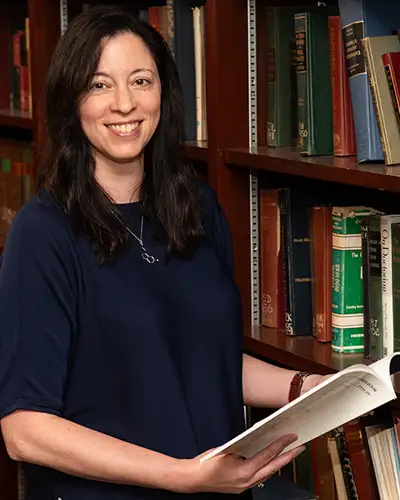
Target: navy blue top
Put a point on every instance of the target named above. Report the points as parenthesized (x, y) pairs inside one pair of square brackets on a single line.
[(151, 354)]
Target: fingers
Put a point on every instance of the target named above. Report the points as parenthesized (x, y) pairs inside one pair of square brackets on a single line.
[(274, 465), (264, 456)]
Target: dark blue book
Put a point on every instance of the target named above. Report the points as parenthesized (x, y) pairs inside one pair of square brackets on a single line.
[(359, 19)]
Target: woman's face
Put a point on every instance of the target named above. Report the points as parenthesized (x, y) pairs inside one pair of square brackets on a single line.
[(121, 110)]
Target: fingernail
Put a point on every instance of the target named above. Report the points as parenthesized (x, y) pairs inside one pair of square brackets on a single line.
[(291, 439)]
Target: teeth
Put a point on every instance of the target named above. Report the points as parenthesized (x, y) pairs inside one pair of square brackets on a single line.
[(129, 127)]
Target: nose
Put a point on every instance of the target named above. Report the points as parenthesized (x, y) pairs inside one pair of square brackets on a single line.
[(124, 100)]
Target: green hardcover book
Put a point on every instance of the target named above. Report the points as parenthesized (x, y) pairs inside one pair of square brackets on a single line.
[(347, 286), (281, 77), (314, 100), (372, 282)]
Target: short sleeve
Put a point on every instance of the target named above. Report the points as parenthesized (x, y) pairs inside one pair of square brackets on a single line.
[(38, 291)]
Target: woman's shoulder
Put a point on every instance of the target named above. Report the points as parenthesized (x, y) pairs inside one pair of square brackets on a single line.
[(40, 220)]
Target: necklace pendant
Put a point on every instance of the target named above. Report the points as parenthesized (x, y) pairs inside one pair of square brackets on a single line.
[(149, 258)]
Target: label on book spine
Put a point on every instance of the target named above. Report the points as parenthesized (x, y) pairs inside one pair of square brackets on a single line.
[(301, 46), (352, 35), (394, 97)]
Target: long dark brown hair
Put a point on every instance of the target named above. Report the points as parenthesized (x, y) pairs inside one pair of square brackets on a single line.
[(169, 192)]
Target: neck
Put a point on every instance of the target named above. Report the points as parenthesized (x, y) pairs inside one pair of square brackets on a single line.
[(121, 181)]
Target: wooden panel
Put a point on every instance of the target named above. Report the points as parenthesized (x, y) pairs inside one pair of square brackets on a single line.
[(44, 18), (298, 353), (227, 122), (344, 170), (17, 119), (197, 150)]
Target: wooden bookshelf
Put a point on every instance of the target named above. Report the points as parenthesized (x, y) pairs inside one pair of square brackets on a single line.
[(197, 150), (225, 158), (343, 170), (299, 353), (16, 119)]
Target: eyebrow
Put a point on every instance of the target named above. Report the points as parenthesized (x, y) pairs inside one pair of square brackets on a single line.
[(138, 70)]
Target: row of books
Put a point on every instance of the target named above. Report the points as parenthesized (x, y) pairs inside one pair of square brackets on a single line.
[(20, 66), (325, 272), (15, 181), (357, 461), (341, 66)]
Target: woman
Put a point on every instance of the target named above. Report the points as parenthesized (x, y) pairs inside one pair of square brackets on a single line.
[(121, 343)]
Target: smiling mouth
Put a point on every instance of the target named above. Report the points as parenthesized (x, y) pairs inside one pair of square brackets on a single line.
[(125, 128)]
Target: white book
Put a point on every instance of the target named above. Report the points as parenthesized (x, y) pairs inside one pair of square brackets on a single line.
[(345, 396)]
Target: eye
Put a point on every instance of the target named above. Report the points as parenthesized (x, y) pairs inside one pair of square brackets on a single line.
[(97, 86), (142, 82)]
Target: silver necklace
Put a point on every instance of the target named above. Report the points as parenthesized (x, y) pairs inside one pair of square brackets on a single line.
[(145, 255)]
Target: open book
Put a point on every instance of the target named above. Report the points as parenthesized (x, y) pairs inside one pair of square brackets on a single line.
[(339, 399)]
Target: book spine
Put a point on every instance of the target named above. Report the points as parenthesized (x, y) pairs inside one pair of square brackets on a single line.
[(302, 76), (365, 248), (363, 472), (365, 125), (391, 62), (377, 103), (287, 263), (342, 114), (396, 285), (387, 286), (198, 55), (270, 243), (348, 475), (375, 290), (272, 101), (347, 292), (295, 244), (321, 271)]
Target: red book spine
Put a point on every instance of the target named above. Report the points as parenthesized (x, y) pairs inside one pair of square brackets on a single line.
[(269, 219), (344, 143), (363, 471), (391, 62)]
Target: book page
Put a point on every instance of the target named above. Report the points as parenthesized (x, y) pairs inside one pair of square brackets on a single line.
[(343, 397), (389, 368)]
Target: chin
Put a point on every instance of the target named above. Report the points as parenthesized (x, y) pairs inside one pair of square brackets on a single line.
[(127, 157)]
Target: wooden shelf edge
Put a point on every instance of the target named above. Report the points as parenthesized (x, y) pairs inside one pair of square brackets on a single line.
[(298, 353), (337, 170), (16, 119), (197, 150)]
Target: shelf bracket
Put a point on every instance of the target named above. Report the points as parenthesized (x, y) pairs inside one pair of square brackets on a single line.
[(253, 142), (63, 16), (253, 180)]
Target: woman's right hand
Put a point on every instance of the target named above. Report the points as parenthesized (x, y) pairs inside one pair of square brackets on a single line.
[(229, 473)]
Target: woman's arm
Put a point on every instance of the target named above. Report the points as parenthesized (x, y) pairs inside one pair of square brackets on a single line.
[(266, 385), (54, 442)]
